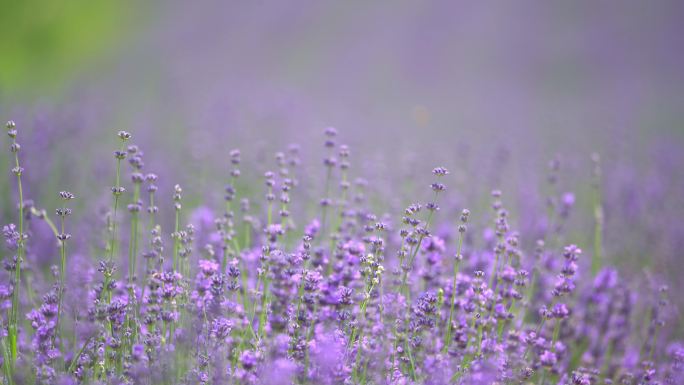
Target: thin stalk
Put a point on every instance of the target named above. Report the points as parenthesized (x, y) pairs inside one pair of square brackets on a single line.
[(556, 332), (176, 239), (539, 327), (598, 233), (362, 307), (598, 217), (328, 175), (395, 329), (228, 215), (653, 343), (74, 361), (357, 360), (309, 334), (132, 264), (269, 212), (117, 190), (530, 293), (414, 252), (248, 235), (606, 361), (236, 251), (62, 271), (117, 194), (133, 243), (264, 305), (300, 292), (511, 309), (14, 313), (447, 337), (339, 212), (43, 215), (465, 363), (7, 369), (650, 315), (495, 269), (177, 265), (243, 290), (372, 281), (404, 284), (148, 266), (408, 291)]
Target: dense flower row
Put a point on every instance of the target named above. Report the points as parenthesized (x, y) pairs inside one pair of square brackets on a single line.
[(247, 294)]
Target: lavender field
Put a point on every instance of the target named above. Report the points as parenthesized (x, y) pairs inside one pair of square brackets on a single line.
[(334, 193)]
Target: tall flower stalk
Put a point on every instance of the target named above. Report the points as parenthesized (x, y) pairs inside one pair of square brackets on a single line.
[(457, 262), (329, 163), (12, 328), (373, 271), (596, 257), (108, 267), (63, 236)]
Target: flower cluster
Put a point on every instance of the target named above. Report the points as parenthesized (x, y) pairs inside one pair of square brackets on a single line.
[(266, 287)]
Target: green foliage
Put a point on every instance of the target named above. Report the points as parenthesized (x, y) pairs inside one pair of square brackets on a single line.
[(45, 43)]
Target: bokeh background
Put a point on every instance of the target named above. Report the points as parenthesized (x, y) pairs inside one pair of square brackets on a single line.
[(494, 91)]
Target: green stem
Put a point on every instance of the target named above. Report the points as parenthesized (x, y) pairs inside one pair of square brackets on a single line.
[(74, 361), (598, 235), (654, 342), (447, 337), (412, 256), (62, 271), (502, 324), (14, 314), (606, 361), (264, 302), (530, 294), (7, 369), (596, 258), (112, 246), (556, 332), (113, 239), (404, 282), (133, 243), (339, 213), (176, 240), (269, 211), (148, 265), (539, 327), (132, 264), (328, 174)]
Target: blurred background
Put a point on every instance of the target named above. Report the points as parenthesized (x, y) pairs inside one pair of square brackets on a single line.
[(494, 92)]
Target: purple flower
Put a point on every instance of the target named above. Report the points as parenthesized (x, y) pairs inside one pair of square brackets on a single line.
[(208, 267), (548, 358)]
